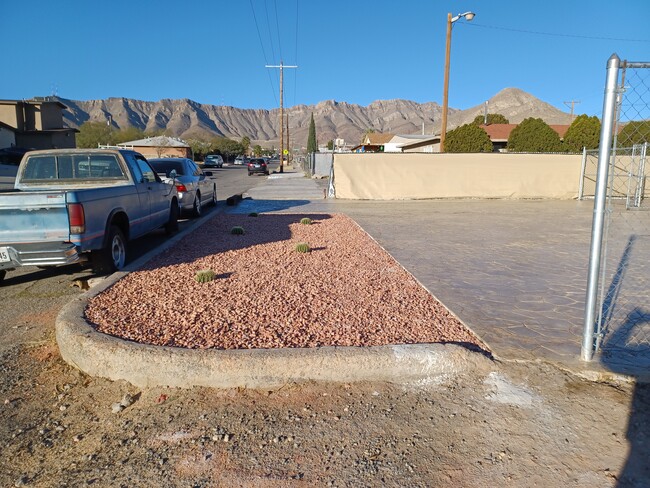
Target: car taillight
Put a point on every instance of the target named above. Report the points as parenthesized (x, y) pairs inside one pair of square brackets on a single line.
[(180, 187), (77, 218)]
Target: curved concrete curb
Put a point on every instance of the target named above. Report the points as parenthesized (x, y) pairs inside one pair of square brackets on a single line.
[(142, 365), (105, 356)]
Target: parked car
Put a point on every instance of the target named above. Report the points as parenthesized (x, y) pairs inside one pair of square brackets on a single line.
[(241, 160), (195, 187), (213, 161), (257, 165), (77, 205)]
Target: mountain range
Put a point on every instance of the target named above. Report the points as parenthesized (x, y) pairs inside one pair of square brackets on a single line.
[(188, 119)]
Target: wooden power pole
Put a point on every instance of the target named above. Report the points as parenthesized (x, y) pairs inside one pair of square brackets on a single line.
[(281, 66)]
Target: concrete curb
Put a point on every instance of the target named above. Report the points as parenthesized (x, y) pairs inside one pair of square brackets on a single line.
[(105, 356), (144, 366)]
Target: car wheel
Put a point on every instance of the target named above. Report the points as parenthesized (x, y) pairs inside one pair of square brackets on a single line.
[(214, 196), (3, 272), (197, 209), (171, 227), (113, 257)]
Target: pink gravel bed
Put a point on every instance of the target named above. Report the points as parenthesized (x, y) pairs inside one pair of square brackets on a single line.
[(347, 291)]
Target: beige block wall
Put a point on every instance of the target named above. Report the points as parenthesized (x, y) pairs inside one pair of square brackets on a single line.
[(421, 176)]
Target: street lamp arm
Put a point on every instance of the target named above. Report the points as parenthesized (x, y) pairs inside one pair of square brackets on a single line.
[(468, 15)]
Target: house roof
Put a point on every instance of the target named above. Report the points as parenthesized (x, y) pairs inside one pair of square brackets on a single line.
[(376, 138), (158, 141), (501, 132), (34, 101)]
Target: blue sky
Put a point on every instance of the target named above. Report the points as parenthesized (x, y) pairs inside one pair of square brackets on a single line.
[(355, 51)]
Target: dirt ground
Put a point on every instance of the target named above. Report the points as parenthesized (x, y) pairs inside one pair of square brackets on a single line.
[(521, 425)]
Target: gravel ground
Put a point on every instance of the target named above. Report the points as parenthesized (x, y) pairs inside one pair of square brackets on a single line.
[(346, 292)]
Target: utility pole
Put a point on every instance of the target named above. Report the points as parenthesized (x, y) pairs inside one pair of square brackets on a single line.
[(572, 104), (281, 66), (288, 145)]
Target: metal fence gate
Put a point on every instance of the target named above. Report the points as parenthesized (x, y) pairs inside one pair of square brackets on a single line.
[(617, 313)]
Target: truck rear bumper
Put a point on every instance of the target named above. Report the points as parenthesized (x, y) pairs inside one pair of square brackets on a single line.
[(35, 254)]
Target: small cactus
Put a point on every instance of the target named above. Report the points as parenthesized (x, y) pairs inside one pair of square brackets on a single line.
[(237, 230), (253, 214), (305, 221), (204, 275), (303, 247)]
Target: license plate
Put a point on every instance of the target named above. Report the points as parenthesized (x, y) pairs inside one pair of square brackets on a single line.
[(4, 255)]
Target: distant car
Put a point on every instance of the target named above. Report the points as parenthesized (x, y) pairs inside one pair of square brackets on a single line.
[(257, 165), (241, 160), (213, 161), (195, 187)]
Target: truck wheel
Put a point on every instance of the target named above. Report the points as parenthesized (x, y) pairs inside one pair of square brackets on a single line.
[(197, 209), (113, 257), (3, 272), (171, 227)]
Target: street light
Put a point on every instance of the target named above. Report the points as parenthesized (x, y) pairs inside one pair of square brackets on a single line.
[(445, 94)]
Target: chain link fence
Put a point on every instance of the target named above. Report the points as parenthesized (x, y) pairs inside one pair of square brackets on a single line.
[(617, 318)]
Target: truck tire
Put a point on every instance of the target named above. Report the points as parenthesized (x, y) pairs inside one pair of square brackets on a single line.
[(3, 272), (171, 227), (113, 257)]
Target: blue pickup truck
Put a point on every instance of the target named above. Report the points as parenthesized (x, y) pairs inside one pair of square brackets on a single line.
[(75, 205)]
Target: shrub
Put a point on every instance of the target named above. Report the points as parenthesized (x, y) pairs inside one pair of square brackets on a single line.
[(237, 230), (204, 275), (534, 135), (253, 214), (305, 221), (468, 138), (635, 132), (584, 131), (303, 247), (491, 119)]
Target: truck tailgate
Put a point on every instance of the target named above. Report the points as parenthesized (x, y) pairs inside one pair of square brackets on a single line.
[(33, 217)]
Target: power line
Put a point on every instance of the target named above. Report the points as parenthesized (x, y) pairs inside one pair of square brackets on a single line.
[(295, 73), (277, 24), (259, 36), (550, 34), (571, 104), (268, 24)]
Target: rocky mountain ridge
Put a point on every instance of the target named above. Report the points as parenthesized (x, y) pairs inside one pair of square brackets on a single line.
[(188, 119)]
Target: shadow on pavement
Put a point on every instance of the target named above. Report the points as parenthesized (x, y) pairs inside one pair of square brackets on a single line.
[(251, 205), (626, 351)]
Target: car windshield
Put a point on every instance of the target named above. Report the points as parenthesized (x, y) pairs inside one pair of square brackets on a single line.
[(166, 167)]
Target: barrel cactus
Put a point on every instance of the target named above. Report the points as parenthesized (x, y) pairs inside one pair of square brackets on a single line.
[(237, 230), (305, 221), (303, 247), (204, 275)]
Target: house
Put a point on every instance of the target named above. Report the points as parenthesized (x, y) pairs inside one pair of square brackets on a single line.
[(373, 142), (160, 147), (499, 134), (36, 124)]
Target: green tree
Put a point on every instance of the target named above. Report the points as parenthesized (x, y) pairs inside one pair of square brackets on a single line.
[(257, 150), (534, 135), (199, 148), (92, 134), (228, 148), (245, 144), (312, 145), (636, 132), (330, 145), (127, 134), (468, 138), (491, 119), (584, 131)]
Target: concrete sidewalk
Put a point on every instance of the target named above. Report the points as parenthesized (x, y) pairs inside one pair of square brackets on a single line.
[(513, 270)]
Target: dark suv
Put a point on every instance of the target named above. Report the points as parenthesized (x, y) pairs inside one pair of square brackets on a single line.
[(257, 165)]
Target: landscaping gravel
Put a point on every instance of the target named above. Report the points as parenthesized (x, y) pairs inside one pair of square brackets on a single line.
[(347, 291)]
